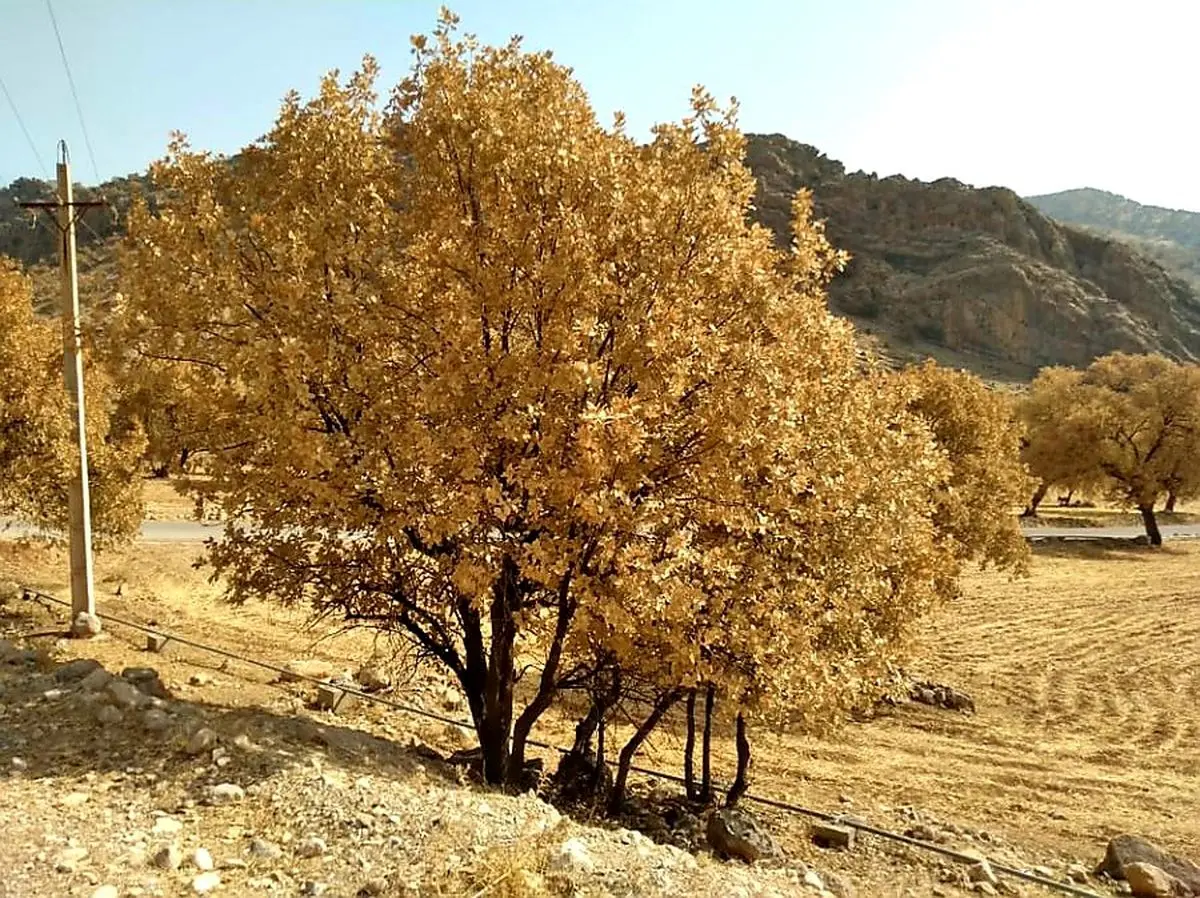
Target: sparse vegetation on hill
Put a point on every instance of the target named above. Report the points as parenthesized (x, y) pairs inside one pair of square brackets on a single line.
[(1170, 236)]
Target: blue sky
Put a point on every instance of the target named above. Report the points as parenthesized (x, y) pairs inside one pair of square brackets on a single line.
[(1037, 95)]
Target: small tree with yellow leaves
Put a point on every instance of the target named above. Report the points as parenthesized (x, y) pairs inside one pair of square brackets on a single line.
[(36, 442)]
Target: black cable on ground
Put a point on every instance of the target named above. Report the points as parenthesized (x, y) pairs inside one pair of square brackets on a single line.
[(836, 819)]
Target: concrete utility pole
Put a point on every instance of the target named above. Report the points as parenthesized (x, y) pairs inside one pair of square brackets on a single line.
[(83, 601)]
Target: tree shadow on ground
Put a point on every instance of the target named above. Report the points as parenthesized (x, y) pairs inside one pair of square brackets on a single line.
[(1102, 550), (56, 729)]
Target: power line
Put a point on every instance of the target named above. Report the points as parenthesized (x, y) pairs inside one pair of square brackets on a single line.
[(29, 593), (20, 121), (74, 93)]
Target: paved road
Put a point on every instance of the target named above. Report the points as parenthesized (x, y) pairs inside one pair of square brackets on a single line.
[(194, 532), (1169, 531), (152, 531)]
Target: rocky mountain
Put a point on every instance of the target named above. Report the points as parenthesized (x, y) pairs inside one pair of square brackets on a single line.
[(1170, 236), (975, 278), (978, 278)]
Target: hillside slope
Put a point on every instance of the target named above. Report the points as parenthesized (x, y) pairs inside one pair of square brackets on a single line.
[(975, 278), (1170, 236)]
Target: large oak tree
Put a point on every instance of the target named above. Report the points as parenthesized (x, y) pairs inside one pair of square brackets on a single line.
[(536, 395)]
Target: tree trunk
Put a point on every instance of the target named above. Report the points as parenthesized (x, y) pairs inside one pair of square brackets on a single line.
[(547, 683), (689, 749), (1038, 495), (740, 783), (598, 770), (1151, 523), (706, 788), (617, 800), (586, 728), (1170, 506)]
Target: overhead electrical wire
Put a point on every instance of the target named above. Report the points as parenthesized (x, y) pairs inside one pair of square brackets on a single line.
[(31, 594), (12, 104), (62, 50)]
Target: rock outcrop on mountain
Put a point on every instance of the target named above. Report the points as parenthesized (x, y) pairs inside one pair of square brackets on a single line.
[(1169, 236), (976, 276), (973, 277)]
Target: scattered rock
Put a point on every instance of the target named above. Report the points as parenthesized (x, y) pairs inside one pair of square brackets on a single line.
[(86, 625), (69, 859), (156, 721), (19, 764), (985, 888), (1148, 881), (813, 880), (839, 885), (312, 887), (206, 882), (201, 741), (200, 679), (107, 714), (203, 859), (373, 678), (573, 855), (981, 871), (96, 680), (166, 826), (106, 892), (169, 857), (734, 832), (373, 887), (297, 671), (74, 799), (76, 670), (1127, 849), (831, 835), (312, 846), (146, 679), (942, 696), (580, 777), (125, 695), (224, 793), (261, 848)]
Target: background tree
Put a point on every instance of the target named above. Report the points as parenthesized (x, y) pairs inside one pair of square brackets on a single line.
[(36, 443), (977, 430), (502, 379), (1053, 456), (1134, 418)]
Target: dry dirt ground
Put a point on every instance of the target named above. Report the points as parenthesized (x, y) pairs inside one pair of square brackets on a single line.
[(1086, 678)]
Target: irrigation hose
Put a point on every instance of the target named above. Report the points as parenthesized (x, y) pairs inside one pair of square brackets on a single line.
[(29, 593)]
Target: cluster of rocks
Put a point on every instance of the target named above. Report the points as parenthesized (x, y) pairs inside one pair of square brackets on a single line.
[(1149, 871), (939, 695)]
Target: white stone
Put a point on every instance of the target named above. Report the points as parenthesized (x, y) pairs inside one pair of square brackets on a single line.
[(167, 826), (201, 741), (573, 854), (206, 882), (203, 859), (226, 792), (106, 892), (312, 846)]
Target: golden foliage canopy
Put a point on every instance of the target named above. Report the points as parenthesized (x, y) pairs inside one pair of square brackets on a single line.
[(500, 377), (977, 429), (36, 443), (1127, 424)]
